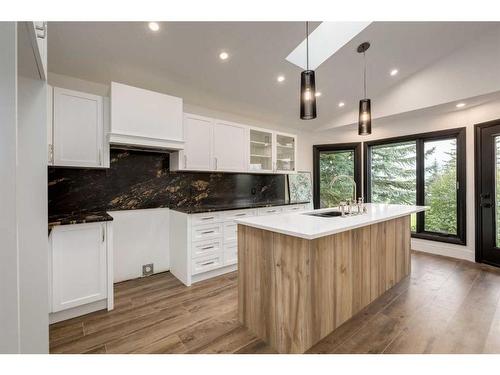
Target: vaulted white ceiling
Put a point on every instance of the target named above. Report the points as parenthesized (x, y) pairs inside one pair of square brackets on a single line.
[(182, 59)]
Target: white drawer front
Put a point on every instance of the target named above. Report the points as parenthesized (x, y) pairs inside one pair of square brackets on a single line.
[(294, 208), (205, 248), (270, 210), (205, 218), (207, 263), (207, 231), (230, 231), (231, 253), (238, 214)]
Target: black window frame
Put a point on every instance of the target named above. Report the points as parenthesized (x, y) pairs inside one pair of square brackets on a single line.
[(317, 149), (420, 139)]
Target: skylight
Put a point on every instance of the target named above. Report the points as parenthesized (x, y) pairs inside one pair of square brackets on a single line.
[(324, 41)]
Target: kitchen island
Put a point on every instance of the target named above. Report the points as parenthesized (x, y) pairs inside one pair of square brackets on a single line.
[(301, 276)]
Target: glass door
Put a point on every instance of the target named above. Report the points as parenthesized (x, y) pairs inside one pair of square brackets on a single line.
[(285, 153), (488, 193), (261, 151), (330, 162)]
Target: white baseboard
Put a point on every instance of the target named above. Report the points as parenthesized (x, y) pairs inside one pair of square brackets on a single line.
[(213, 273), (77, 311), (441, 248)]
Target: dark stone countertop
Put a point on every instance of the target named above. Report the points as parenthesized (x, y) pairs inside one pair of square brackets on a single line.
[(78, 218), (82, 217), (198, 210)]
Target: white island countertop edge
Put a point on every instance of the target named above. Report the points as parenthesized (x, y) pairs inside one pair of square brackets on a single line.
[(311, 227)]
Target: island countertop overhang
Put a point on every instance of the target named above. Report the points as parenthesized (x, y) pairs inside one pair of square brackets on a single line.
[(311, 227)]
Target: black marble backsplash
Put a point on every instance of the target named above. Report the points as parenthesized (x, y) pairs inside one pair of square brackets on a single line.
[(138, 180)]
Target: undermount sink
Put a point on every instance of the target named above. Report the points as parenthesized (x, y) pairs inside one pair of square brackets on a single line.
[(324, 214)]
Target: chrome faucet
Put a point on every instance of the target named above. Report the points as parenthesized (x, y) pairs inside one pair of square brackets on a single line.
[(354, 198), (350, 202)]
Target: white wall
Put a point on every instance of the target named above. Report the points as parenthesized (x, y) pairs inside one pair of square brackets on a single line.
[(9, 307), (140, 237), (32, 216), (420, 122), (23, 195)]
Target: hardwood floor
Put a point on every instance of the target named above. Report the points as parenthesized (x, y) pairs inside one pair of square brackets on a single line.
[(445, 306)]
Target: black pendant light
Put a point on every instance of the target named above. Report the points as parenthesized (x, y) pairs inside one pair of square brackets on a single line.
[(365, 111), (307, 87)]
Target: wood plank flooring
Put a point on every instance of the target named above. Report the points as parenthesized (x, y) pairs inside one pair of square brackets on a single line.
[(445, 306)]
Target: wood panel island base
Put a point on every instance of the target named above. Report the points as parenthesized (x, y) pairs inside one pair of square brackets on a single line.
[(294, 291)]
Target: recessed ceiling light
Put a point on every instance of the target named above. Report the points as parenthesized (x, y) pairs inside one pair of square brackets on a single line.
[(280, 78), (460, 105), (153, 26), (318, 93), (223, 56), (341, 104), (394, 72)]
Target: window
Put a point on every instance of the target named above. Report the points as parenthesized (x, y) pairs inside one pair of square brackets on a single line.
[(332, 161), (394, 175), (423, 169)]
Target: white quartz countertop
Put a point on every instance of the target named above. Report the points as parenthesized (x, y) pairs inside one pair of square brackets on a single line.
[(310, 227)]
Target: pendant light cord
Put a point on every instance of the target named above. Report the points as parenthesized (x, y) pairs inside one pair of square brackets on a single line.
[(364, 73), (307, 45)]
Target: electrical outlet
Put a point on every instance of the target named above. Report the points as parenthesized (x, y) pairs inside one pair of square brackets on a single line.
[(147, 269)]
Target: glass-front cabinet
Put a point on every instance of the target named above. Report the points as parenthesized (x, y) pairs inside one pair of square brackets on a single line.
[(271, 152), (285, 153), (261, 151)]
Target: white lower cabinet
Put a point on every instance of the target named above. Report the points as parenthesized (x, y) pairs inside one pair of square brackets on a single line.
[(80, 269), (205, 245)]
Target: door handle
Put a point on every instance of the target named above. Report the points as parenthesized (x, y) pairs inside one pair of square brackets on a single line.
[(485, 200)]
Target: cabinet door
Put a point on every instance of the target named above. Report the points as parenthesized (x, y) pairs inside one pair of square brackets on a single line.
[(197, 153), (78, 265), (229, 147), (286, 148), (261, 151), (78, 129)]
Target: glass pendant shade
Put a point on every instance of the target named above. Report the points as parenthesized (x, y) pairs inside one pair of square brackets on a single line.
[(365, 117), (307, 95)]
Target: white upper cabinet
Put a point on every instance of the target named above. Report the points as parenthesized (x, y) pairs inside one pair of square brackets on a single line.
[(78, 129), (286, 153), (197, 154), (229, 147), (145, 118), (261, 151), (223, 146)]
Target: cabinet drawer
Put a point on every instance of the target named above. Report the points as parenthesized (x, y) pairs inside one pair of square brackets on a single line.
[(230, 231), (294, 208), (231, 253), (205, 218), (238, 214), (270, 210), (205, 248), (207, 231), (207, 263)]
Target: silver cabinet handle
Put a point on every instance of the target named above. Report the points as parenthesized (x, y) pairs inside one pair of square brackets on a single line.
[(216, 163), (103, 233), (100, 157), (240, 215), (208, 263), (185, 161), (207, 247), (208, 232), (207, 218)]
